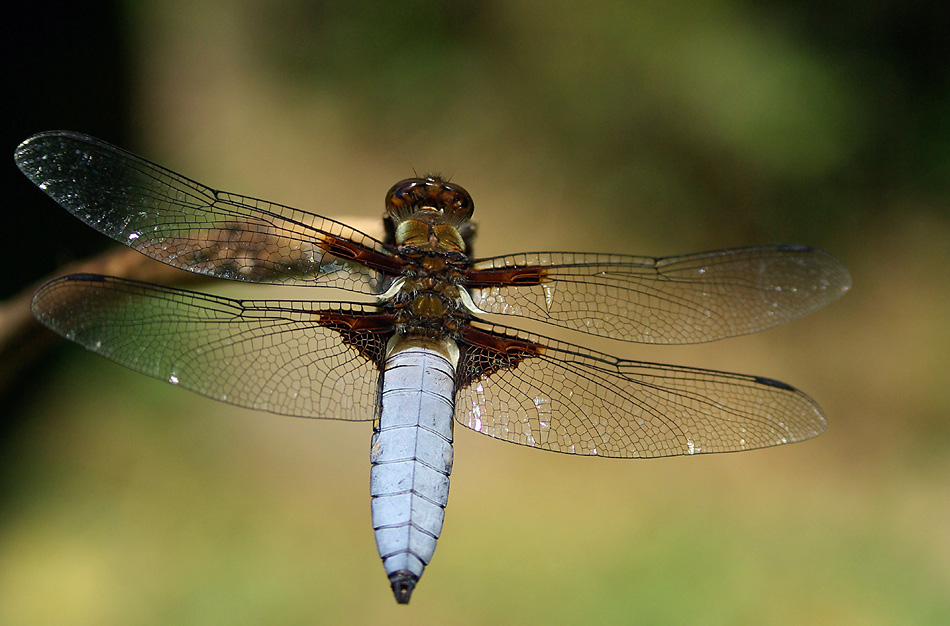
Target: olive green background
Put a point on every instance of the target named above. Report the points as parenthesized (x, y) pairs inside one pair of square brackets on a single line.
[(656, 128)]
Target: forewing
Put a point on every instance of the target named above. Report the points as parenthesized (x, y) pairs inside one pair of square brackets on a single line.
[(284, 357), (190, 226), (557, 396), (673, 300)]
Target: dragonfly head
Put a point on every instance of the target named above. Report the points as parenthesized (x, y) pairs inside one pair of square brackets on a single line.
[(429, 213)]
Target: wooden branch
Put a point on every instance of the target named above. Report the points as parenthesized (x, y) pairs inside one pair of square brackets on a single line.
[(23, 340)]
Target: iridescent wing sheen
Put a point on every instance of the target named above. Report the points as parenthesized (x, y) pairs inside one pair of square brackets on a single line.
[(190, 226), (276, 356), (673, 300), (562, 397)]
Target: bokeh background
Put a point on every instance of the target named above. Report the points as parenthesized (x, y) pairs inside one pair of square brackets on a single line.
[(657, 127)]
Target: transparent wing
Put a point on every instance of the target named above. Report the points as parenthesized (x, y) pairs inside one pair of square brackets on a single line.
[(266, 355), (673, 300), (193, 227), (570, 399)]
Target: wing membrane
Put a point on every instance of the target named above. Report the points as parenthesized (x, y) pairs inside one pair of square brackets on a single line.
[(570, 399), (265, 355), (673, 300), (185, 224)]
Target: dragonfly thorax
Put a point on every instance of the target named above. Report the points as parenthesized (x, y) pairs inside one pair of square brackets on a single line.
[(428, 299)]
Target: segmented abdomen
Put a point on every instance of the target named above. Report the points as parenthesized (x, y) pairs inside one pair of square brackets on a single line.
[(412, 458)]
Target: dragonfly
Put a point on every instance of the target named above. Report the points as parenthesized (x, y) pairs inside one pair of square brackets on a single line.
[(426, 349)]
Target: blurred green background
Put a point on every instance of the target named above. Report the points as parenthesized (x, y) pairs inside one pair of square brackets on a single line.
[(658, 127)]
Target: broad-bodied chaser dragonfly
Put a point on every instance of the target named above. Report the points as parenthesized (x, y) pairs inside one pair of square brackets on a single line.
[(422, 352)]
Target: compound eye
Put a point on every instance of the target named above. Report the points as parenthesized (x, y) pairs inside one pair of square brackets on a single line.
[(457, 202), (431, 193)]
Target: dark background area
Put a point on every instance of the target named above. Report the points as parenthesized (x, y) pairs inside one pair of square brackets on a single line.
[(65, 66)]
